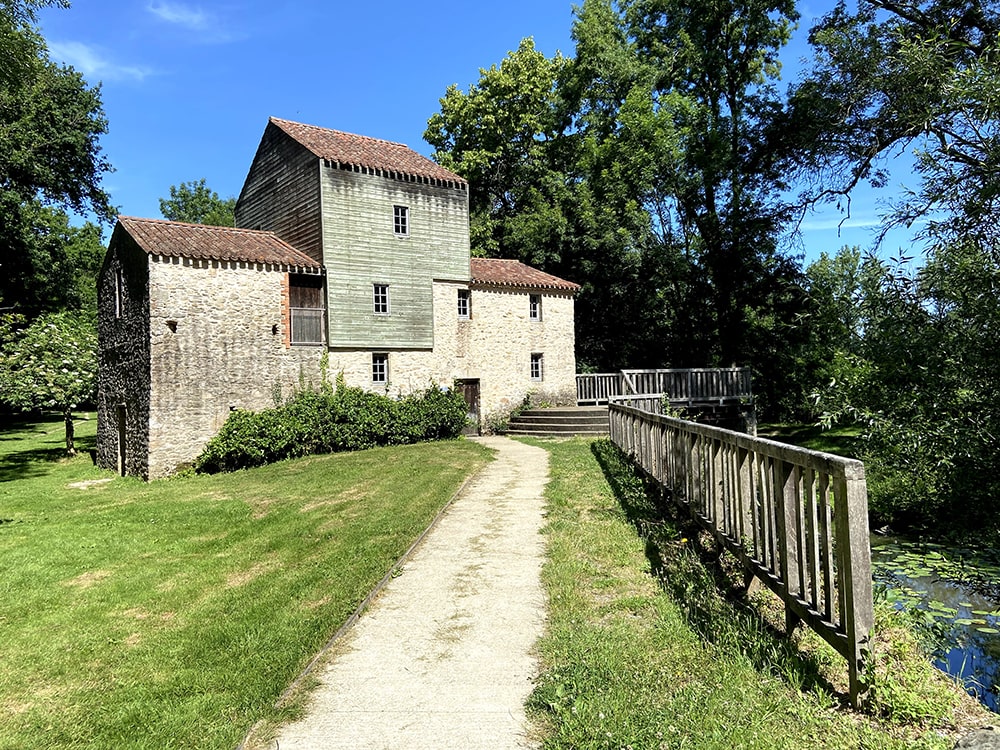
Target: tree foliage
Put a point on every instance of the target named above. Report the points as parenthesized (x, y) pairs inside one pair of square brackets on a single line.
[(195, 203), (637, 169), (662, 168), (925, 378), (50, 163), (51, 364), (55, 264), (17, 45)]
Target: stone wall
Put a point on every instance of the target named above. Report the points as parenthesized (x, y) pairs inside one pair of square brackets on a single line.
[(123, 358), (493, 346), (218, 342), (503, 338)]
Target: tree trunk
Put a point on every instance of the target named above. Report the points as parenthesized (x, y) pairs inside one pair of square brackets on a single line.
[(70, 449)]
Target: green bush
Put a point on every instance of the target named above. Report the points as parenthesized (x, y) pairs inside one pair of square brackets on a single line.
[(331, 421)]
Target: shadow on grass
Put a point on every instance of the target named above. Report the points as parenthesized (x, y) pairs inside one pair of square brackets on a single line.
[(706, 585), (37, 458)]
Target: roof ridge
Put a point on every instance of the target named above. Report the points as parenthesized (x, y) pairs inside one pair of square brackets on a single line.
[(341, 132)]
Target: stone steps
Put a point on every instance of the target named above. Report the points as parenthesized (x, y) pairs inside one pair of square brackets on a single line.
[(565, 421)]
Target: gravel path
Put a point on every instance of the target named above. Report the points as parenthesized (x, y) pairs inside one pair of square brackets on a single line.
[(444, 658)]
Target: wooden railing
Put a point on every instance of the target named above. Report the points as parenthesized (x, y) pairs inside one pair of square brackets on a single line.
[(796, 519), (685, 387)]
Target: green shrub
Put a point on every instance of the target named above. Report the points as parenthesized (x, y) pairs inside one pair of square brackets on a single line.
[(330, 421)]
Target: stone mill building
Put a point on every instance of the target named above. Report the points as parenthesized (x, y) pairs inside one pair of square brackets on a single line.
[(345, 245)]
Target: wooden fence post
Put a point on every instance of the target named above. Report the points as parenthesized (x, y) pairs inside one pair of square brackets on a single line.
[(854, 572)]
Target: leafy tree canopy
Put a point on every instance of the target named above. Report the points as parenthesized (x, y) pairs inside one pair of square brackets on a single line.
[(17, 45), (50, 161), (638, 168), (195, 203), (924, 377)]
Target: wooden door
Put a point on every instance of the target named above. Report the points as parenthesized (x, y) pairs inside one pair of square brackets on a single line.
[(121, 439), (470, 391)]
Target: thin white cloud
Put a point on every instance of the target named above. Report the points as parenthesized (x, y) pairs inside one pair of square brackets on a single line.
[(92, 62), (182, 15), (206, 27), (837, 222)]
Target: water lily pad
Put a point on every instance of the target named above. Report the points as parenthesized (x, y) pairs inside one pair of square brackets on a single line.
[(963, 621), (988, 630), (982, 612)]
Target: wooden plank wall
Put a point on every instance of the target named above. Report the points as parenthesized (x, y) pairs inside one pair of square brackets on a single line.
[(281, 193)]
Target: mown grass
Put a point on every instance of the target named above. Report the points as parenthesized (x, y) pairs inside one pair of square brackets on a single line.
[(843, 441), (172, 614), (645, 650)]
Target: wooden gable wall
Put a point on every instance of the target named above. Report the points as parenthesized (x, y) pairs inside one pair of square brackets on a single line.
[(281, 193)]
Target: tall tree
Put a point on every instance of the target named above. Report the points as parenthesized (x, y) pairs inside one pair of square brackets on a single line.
[(638, 168), (706, 96), (195, 203), (921, 76), (676, 100), (50, 155), (532, 198)]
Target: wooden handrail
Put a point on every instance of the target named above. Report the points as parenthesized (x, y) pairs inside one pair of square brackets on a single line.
[(796, 519), (683, 387)]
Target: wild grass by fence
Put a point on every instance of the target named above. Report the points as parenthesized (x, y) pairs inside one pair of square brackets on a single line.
[(796, 519)]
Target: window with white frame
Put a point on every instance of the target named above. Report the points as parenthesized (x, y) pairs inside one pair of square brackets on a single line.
[(464, 303), (380, 299), (535, 306), (401, 221), (380, 367), (537, 369)]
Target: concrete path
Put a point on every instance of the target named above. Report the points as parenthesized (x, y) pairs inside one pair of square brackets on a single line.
[(443, 658)]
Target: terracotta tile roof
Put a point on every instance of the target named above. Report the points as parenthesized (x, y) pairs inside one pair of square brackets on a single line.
[(501, 272), (176, 239), (362, 151)]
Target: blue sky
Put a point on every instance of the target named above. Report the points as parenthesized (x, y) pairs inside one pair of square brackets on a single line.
[(188, 87)]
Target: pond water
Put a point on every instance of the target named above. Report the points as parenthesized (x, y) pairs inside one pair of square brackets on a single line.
[(955, 592)]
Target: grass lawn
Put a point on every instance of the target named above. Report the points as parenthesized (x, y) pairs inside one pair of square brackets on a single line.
[(843, 441), (172, 614), (643, 651)]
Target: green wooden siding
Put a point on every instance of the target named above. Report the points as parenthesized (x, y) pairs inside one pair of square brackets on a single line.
[(361, 249)]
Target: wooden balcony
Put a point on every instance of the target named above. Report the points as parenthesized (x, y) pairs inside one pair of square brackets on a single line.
[(681, 387)]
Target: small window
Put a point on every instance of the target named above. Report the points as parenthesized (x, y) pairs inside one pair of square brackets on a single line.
[(380, 367), (536, 366), (464, 304), (535, 306), (119, 291), (380, 298), (401, 221)]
